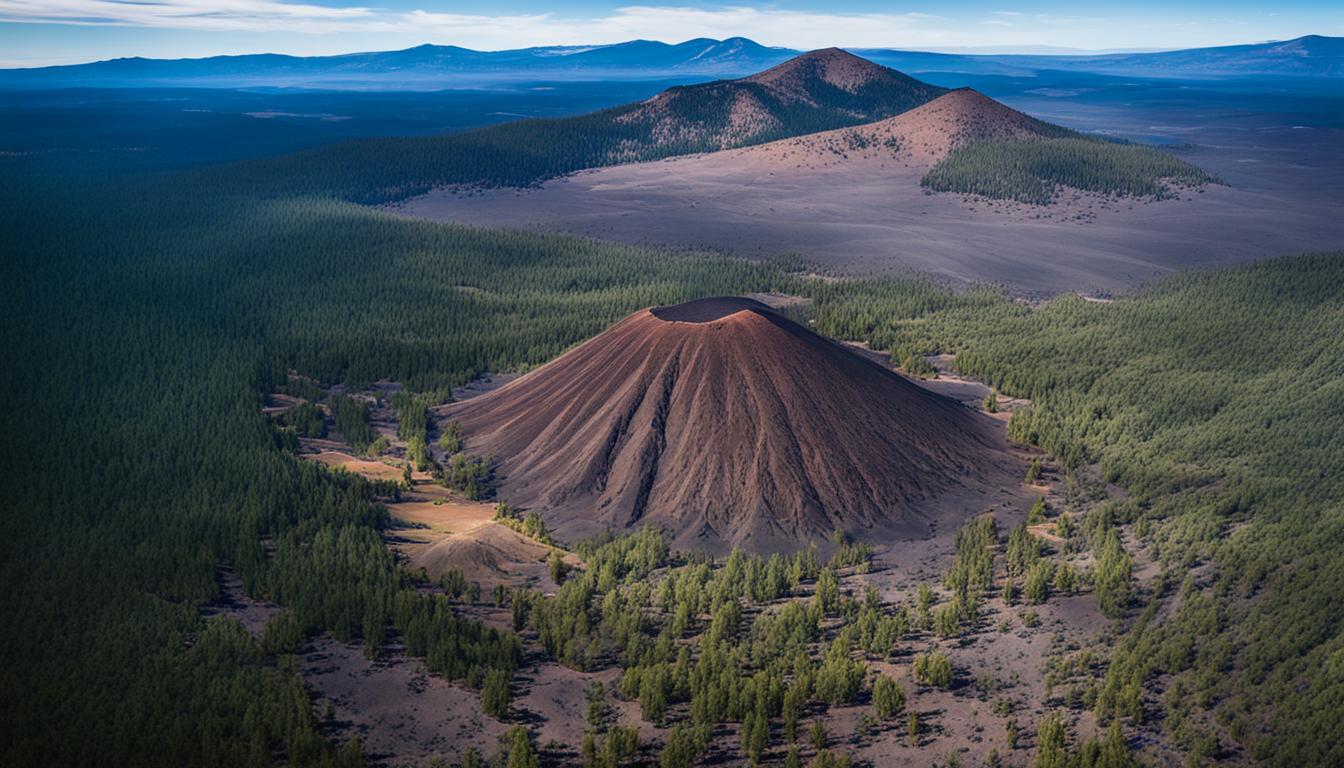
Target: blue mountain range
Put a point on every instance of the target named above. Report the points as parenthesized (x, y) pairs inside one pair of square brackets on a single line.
[(427, 67)]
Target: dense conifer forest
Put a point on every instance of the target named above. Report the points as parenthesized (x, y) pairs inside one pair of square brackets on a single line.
[(1215, 401), (1033, 171), (144, 322), (141, 333)]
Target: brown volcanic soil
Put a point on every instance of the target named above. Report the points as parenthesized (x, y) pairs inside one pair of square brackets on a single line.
[(922, 136), (489, 554), (726, 423), (863, 213), (436, 531)]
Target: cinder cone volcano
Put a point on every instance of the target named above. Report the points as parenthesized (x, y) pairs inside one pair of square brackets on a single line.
[(729, 424)]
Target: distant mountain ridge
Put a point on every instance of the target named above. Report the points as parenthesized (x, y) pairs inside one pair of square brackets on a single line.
[(424, 66), (1310, 56), (445, 66)]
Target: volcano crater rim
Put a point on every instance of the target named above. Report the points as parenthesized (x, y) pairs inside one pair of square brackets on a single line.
[(708, 310)]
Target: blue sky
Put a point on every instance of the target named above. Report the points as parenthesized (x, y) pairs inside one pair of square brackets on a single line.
[(40, 32)]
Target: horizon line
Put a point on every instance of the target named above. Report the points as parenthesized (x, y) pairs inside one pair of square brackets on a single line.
[(1003, 50)]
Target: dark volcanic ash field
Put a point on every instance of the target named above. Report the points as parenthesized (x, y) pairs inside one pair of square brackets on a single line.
[(1282, 159)]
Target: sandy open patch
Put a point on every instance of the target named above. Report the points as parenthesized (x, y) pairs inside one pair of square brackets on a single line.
[(439, 534), (441, 516), (400, 713), (437, 530), (374, 470)]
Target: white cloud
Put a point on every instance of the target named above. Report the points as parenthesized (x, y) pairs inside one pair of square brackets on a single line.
[(770, 27), (215, 15), (345, 28)]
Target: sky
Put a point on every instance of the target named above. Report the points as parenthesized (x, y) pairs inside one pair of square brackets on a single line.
[(46, 32)]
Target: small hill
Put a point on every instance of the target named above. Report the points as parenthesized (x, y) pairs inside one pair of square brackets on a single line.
[(728, 424), (813, 92), (487, 554), (964, 116), (972, 144), (924, 135), (805, 77)]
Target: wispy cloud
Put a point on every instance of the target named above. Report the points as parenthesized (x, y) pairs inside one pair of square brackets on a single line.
[(769, 26), (216, 15), (310, 26)]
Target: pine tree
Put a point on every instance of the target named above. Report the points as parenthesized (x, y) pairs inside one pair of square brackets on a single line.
[(683, 747), (521, 752), (1050, 743), (1034, 471), (933, 668), (792, 708), (888, 697), (756, 736), (1036, 514), (588, 753), (828, 591), (495, 694), (556, 562), (1113, 577), (598, 709), (818, 735), (1037, 588)]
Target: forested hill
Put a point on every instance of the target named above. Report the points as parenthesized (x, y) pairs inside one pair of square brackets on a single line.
[(814, 92), (974, 145)]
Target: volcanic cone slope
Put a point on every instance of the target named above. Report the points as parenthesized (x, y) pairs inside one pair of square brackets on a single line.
[(924, 135), (816, 91), (729, 424)]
